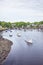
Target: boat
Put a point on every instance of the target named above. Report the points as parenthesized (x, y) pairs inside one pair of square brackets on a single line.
[(24, 29), (10, 30), (18, 34), (29, 41), (6, 31), (10, 35)]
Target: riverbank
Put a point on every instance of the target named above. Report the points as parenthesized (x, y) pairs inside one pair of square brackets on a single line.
[(2, 29), (5, 47)]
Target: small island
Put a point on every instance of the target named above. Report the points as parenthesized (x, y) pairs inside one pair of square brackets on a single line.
[(5, 47)]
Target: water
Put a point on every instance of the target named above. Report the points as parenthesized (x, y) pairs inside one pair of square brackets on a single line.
[(22, 53)]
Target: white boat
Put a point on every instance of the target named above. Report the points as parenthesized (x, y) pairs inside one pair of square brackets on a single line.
[(10, 35), (29, 41), (18, 34)]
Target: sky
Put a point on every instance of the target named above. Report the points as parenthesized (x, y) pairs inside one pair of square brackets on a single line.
[(21, 10)]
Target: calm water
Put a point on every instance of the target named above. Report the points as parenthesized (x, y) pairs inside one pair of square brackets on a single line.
[(22, 53)]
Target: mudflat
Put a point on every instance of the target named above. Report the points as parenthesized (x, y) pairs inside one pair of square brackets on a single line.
[(5, 47)]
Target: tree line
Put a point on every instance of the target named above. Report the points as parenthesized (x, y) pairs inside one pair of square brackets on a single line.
[(20, 24)]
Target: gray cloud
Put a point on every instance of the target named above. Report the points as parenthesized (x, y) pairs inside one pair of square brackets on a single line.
[(33, 4), (27, 9)]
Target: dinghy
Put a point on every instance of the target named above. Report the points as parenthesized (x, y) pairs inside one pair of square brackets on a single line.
[(10, 35)]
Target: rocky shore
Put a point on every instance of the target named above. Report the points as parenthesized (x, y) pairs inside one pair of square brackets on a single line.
[(2, 29), (5, 47)]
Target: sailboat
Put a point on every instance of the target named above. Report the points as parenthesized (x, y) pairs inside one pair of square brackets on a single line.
[(29, 41)]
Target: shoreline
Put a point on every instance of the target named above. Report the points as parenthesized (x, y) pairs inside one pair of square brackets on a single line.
[(3, 29), (27, 28), (5, 47)]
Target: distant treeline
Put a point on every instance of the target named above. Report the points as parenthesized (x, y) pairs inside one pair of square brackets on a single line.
[(5, 24), (20, 24)]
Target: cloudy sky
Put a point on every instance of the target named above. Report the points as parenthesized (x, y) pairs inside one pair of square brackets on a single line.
[(21, 10)]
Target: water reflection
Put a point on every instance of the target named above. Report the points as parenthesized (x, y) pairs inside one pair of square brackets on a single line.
[(29, 44)]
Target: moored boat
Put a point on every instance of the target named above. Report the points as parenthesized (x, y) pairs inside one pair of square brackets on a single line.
[(18, 34), (29, 41)]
